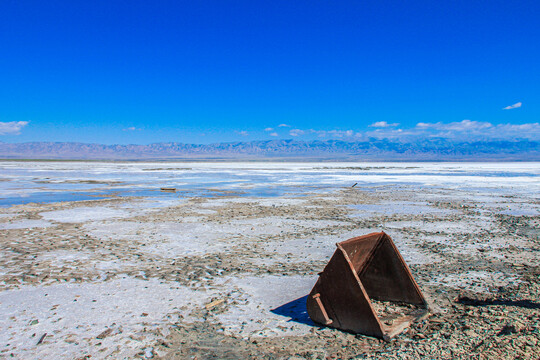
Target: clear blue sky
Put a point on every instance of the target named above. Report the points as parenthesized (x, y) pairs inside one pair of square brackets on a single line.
[(210, 71)]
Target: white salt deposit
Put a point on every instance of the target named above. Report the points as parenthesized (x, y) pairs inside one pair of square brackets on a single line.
[(73, 315), (61, 258), (280, 201), (454, 227), (311, 248), (521, 177), (476, 280), (25, 224), (268, 306), (399, 208), (124, 317), (83, 214)]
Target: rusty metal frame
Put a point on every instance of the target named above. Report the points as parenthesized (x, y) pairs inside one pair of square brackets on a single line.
[(364, 268)]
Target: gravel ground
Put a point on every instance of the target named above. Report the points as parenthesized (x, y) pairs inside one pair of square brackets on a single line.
[(226, 276)]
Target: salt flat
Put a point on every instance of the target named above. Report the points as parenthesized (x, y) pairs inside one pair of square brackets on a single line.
[(119, 269)]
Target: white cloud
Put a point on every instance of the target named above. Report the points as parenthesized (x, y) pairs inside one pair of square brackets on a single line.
[(461, 130), (465, 130), (423, 125), (527, 131), (516, 105), (387, 134), (269, 129), (383, 124), (131, 128), (284, 125), (333, 133), (463, 125), (523, 127), (243, 133), (12, 127), (341, 133), (274, 134)]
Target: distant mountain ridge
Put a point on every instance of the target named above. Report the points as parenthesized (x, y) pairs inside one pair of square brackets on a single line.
[(437, 149)]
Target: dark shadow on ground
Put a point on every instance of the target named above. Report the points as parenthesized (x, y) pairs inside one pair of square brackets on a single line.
[(296, 310), (501, 302)]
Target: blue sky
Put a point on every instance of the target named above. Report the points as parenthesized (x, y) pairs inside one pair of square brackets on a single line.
[(211, 71)]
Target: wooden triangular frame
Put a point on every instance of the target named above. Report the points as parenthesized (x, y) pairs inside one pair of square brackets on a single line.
[(364, 268)]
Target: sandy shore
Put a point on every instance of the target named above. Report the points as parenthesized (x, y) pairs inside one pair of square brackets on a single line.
[(226, 276)]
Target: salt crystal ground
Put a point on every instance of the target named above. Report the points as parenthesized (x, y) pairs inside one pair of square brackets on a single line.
[(127, 271)]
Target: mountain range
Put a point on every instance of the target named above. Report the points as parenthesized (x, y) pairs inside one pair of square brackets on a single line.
[(434, 149)]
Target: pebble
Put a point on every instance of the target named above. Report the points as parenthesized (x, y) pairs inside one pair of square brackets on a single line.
[(149, 352)]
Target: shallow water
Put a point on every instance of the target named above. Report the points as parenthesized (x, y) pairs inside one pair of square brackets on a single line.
[(25, 182)]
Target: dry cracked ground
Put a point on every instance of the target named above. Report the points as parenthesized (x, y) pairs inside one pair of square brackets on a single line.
[(226, 277)]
